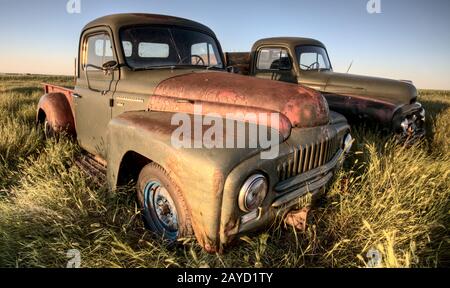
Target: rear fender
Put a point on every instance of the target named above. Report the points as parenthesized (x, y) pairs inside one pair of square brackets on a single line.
[(57, 110)]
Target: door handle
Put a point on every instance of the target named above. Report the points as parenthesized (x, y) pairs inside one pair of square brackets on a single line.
[(75, 95)]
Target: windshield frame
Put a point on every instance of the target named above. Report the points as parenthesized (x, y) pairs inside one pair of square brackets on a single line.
[(297, 56), (122, 51)]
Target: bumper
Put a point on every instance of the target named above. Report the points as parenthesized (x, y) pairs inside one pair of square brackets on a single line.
[(294, 193), (294, 179), (409, 123)]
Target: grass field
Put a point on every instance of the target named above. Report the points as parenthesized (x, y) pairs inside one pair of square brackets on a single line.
[(388, 198)]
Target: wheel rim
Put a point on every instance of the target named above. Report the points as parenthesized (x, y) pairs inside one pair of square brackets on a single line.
[(160, 210), (48, 129)]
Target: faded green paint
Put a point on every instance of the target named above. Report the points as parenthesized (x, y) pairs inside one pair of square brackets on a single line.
[(209, 179)]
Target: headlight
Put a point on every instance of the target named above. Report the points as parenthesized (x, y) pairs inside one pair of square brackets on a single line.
[(348, 142), (253, 193)]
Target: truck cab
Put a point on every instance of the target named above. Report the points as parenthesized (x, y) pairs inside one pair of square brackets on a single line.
[(138, 75), (389, 103)]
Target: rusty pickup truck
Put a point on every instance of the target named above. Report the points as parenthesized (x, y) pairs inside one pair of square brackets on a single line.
[(389, 103), (136, 74)]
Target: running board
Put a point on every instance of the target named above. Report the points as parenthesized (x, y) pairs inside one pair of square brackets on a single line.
[(92, 167)]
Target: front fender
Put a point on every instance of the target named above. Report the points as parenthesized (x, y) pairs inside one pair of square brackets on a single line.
[(199, 173), (407, 109)]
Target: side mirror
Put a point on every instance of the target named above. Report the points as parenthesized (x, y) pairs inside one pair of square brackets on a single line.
[(110, 65), (107, 68)]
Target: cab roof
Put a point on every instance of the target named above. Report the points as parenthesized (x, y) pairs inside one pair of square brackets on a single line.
[(117, 21), (287, 41)]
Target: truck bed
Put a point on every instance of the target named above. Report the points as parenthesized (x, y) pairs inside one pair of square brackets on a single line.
[(50, 88), (239, 60), (67, 92)]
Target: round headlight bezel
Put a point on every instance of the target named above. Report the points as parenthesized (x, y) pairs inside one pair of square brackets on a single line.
[(256, 181)]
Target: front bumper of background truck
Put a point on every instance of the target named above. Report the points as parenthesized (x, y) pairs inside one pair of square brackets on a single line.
[(409, 123)]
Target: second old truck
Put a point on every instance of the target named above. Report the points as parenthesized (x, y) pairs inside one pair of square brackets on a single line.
[(139, 76), (389, 103)]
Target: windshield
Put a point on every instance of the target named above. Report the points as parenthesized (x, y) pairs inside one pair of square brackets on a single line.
[(152, 47), (313, 58)]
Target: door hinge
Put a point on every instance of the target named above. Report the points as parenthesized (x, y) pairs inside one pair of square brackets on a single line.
[(111, 102)]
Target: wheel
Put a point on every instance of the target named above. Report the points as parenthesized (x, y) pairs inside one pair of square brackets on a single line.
[(164, 210)]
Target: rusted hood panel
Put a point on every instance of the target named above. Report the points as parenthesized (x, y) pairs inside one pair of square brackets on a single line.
[(223, 93)]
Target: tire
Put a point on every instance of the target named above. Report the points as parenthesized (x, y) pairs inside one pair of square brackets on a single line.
[(48, 129), (162, 204)]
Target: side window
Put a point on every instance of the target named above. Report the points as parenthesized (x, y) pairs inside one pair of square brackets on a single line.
[(205, 52), (99, 50), (273, 59)]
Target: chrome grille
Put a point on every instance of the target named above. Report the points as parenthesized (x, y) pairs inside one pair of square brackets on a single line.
[(308, 157)]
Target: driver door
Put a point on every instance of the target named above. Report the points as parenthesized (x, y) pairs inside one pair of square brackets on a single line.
[(274, 64), (94, 92)]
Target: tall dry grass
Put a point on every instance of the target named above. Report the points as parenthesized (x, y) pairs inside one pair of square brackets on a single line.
[(387, 198)]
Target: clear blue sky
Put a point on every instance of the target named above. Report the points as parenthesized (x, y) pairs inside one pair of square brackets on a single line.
[(410, 39)]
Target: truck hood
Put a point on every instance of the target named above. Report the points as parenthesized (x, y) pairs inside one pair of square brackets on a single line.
[(224, 93), (386, 90)]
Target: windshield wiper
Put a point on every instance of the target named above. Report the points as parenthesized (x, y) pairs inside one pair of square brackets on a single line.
[(155, 67), (177, 66), (200, 66)]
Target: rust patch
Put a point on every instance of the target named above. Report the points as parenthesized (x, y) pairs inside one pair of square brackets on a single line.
[(224, 92), (298, 219), (172, 104), (49, 88), (58, 112)]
